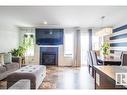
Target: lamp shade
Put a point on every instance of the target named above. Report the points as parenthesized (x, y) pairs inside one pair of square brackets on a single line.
[(104, 32)]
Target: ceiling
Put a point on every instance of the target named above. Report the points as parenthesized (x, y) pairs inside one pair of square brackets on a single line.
[(65, 16)]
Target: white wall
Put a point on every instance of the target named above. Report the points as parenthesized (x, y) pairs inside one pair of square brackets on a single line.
[(8, 37), (62, 60)]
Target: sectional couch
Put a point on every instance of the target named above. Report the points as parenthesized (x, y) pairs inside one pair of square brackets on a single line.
[(7, 69)]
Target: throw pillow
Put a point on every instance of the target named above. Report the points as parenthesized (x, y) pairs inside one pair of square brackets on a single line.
[(1, 59), (7, 58)]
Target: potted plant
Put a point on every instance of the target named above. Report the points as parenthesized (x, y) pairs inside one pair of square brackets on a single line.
[(19, 52), (105, 49), (25, 44)]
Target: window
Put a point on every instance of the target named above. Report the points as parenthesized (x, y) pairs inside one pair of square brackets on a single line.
[(29, 44), (68, 44)]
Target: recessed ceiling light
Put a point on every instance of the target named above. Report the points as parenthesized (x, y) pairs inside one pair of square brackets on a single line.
[(45, 22)]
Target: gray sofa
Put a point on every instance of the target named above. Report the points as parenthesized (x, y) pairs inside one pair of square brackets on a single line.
[(7, 69)]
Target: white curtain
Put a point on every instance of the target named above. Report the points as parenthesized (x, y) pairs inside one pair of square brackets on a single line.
[(77, 48), (84, 46)]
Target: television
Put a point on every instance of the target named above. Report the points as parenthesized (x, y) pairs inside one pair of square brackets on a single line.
[(49, 36)]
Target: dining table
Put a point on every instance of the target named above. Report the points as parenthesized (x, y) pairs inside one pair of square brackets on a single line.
[(107, 77), (110, 60)]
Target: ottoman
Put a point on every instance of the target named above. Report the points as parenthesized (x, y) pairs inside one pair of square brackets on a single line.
[(34, 73), (21, 84)]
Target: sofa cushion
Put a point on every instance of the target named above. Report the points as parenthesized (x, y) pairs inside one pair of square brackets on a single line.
[(1, 59), (12, 66), (7, 58), (2, 69)]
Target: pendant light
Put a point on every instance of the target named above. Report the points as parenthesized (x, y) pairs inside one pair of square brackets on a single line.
[(104, 30)]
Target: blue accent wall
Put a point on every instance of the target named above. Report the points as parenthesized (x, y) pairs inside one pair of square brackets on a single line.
[(120, 28), (118, 40)]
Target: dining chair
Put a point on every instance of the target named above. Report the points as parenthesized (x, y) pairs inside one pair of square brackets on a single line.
[(94, 58), (121, 55), (118, 54), (124, 60), (90, 64)]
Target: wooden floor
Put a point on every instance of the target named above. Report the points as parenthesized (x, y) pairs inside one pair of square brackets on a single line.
[(64, 78), (67, 78)]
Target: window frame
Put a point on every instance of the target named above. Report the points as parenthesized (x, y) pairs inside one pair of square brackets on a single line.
[(33, 45)]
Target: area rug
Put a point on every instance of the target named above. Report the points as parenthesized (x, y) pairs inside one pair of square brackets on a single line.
[(3, 84), (47, 85)]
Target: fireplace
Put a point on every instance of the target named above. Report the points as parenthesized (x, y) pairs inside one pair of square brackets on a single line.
[(48, 55)]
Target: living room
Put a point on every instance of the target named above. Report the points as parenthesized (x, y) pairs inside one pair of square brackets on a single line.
[(51, 44)]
